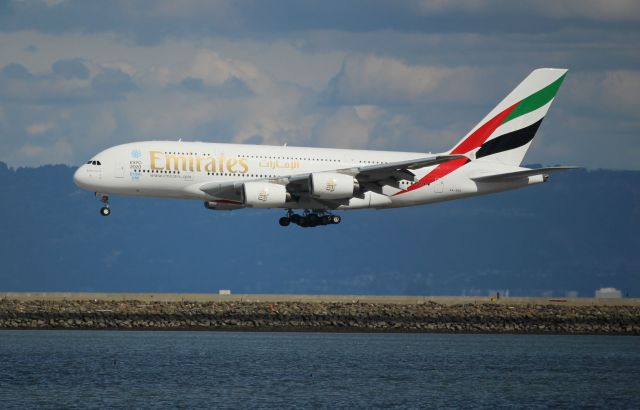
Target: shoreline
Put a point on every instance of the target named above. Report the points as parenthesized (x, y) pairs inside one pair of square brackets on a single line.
[(380, 314), (257, 298)]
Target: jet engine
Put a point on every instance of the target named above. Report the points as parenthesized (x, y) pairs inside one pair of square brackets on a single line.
[(326, 185), (263, 194)]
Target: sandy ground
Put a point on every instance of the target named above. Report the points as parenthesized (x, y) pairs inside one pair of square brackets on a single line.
[(204, 297)]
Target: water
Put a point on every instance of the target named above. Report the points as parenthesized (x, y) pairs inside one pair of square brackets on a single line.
[(315, 370)]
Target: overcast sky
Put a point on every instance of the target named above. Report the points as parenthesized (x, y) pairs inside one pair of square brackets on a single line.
[(77, 76)]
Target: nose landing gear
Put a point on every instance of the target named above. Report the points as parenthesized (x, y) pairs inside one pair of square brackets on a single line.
[(310, 219), (105, 210)]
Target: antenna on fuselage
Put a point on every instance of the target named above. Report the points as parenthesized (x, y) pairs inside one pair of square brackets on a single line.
[(179, 139)]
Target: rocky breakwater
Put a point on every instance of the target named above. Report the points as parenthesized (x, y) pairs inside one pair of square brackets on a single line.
[(304, 316)]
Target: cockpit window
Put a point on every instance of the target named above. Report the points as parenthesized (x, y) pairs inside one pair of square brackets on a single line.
[(98, 163), (89, 162), (94, 163)]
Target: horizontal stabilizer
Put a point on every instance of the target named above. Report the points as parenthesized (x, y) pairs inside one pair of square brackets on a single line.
[(510, 176)]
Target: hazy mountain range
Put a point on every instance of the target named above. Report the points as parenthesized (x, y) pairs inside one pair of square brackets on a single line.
[(578, 232)]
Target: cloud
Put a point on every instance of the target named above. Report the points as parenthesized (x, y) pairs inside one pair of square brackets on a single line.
[(232, 87), (622, 89), (344, 129), (16, 71), (112, 83), (32, 151), (599, 10), (192, 84), (59, 152), (616, 92), (383, 80), (40, 128), (152, 22), (69, 81), (225, 76), (70, 69)]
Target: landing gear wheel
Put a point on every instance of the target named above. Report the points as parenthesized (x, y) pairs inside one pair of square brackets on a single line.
[(325, 220), (284, 221), (303, 222), (335, 219), (105, 211), (295, 218)]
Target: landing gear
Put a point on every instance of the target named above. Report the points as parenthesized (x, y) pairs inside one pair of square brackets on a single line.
[(284, 221), (310, 219), (105, 210)]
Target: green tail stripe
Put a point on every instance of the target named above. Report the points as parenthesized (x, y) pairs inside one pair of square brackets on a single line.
[(536, 100)]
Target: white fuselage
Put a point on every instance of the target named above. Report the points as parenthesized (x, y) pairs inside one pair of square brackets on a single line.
[(176, 169)]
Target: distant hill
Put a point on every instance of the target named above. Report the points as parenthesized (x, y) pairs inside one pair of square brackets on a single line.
[(578, 232)]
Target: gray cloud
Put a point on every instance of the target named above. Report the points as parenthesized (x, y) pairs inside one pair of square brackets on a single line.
[(192, 84), (69, 69), (68, 82), (16, 71), (232, 87), (112, 83), (149, 22), (375, 80)]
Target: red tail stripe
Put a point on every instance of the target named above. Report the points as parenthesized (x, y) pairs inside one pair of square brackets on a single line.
[(472, 142), (437, 173), (480, 135)]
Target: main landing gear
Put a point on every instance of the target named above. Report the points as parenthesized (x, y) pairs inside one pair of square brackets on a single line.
[(105, 210), (310, 219)]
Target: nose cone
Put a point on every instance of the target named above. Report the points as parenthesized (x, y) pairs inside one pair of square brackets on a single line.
[(80, 177)]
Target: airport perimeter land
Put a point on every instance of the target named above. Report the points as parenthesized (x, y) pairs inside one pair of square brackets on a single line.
[(338, 313)]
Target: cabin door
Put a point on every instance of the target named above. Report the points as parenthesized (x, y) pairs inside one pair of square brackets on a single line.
[(119, 170)]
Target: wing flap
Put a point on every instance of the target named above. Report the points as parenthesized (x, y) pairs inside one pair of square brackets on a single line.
[(400, 169)]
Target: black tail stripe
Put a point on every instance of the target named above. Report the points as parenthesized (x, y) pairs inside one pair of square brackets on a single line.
[(509, 141)]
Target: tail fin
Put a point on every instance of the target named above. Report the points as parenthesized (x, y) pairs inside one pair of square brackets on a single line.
[(506, 132)]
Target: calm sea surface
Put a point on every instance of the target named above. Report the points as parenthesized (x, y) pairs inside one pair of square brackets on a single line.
[(55, 369)]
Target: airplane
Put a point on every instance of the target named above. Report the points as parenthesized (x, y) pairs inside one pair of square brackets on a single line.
[(320, 181)]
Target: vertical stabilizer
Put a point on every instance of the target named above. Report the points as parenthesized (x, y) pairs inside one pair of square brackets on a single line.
[(505, 134)]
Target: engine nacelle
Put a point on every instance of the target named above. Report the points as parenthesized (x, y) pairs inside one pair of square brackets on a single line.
[(263, 194), (326, 185), (222, 205)]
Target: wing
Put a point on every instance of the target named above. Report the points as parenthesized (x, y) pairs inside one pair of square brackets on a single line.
[(370, 177), (374, 177), (510, 176)]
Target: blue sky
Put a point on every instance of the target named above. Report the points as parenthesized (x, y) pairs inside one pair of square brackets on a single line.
[(77, 76)]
